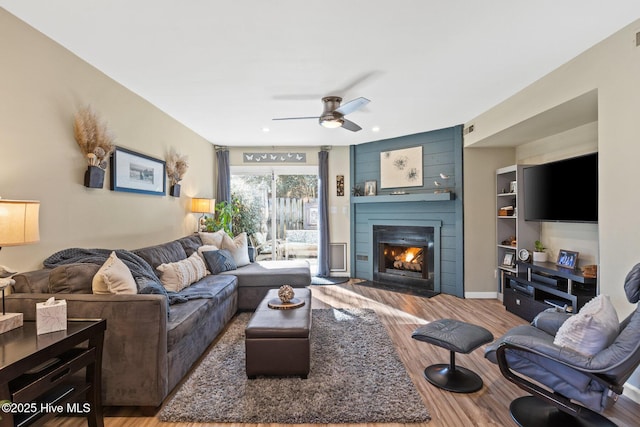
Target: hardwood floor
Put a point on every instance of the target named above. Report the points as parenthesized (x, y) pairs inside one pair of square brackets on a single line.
[(401, 314)]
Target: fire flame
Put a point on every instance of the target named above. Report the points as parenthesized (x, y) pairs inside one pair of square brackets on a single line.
[(410, 254)]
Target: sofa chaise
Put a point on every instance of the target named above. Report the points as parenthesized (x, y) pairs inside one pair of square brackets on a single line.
[(151, 344)]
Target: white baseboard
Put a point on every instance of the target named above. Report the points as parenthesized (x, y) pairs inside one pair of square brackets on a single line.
[(632, 392), (481, 295)]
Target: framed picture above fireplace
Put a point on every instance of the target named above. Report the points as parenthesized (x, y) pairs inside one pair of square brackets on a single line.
[(401, 168)]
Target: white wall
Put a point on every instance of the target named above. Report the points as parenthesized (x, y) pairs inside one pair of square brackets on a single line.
[(612, 68), (42, 85), (480, 219)]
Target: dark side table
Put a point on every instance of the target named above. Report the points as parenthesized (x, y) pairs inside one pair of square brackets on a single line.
[(37, 380)]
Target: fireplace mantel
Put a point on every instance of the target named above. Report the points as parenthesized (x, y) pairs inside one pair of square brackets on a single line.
[(416, 197)]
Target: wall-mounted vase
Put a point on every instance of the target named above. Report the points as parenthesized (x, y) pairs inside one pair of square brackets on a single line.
[(94, 177)]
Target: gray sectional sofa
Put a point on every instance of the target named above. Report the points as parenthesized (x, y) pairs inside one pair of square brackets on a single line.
[(150, 344)]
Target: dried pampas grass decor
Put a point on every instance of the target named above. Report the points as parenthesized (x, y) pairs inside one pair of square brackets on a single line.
[(93, 137), (176, 168)]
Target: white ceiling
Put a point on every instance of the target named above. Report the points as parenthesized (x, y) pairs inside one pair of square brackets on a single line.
[(226, 68)]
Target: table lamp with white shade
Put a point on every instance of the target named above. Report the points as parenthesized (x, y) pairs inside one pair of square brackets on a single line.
[(202, 206), (19, 225)]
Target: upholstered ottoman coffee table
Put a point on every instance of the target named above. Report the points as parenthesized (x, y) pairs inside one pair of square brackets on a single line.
[(277, 341)]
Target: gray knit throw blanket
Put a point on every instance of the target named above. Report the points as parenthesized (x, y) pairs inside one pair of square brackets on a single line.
[(139, 267), (142, 272)]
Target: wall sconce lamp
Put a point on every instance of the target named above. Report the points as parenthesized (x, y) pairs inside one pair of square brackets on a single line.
[(202, 206), (19, 225)]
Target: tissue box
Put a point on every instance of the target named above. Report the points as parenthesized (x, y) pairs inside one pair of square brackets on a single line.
[(51, 317)]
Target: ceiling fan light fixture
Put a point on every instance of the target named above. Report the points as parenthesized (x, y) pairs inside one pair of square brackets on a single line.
[(333, 114), (331, 123)]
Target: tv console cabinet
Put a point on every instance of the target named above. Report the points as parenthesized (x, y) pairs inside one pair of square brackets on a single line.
[(545, 285)]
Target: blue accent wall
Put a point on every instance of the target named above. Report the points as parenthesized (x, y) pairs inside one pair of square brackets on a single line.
[(441, 153)]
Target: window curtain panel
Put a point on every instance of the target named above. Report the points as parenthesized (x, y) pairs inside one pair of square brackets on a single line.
[(323, 214), (223, 191)]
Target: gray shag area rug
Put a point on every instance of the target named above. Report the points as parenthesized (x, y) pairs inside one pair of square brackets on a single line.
[(356, 377)]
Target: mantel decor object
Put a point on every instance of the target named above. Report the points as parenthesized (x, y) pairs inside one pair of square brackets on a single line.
[(370, 188)]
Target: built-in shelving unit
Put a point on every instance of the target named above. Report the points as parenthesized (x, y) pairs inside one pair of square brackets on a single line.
[(512, 232)]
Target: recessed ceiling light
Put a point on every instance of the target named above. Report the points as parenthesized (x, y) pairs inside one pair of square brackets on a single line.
[(265, 129), (375, 129)]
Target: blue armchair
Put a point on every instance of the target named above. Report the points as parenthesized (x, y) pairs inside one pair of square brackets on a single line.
[(565, 379)]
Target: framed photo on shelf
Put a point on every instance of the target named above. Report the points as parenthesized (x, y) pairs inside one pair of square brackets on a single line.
[(509, 259), (567, 259), (136, 173), (370, 188)]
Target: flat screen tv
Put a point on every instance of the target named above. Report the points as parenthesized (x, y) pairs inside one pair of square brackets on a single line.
[(562, 191)]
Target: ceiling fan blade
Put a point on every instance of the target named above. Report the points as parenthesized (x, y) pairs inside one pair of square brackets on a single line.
[(349, 125), (358, 81), (352, 106), (296, 118)]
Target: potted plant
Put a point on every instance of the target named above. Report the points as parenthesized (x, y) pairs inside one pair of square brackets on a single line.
[(176, 168), (246, 219), (235, 218), (539, 254), (223, 218), (95, 142)]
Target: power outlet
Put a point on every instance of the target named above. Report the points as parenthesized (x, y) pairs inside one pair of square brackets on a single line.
[(495, 273)]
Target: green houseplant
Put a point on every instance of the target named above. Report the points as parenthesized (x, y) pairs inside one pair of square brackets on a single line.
[(235, 217), (222, 219), (539, 254)]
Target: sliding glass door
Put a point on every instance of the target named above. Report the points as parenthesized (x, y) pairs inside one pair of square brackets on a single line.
[(285, 200)]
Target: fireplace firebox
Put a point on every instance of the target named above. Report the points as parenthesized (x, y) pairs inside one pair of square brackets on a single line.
[(404, 256)]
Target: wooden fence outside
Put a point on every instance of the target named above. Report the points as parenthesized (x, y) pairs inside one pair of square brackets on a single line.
[(290, 215)]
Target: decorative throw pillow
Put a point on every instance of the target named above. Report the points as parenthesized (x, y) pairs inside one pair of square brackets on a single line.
[(205, 248), (114, 277), (593, 329), (176, 276), (239, 248), (213, 238), (219, 261)]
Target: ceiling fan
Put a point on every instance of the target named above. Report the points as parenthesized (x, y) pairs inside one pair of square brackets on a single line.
[(333, 114)]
